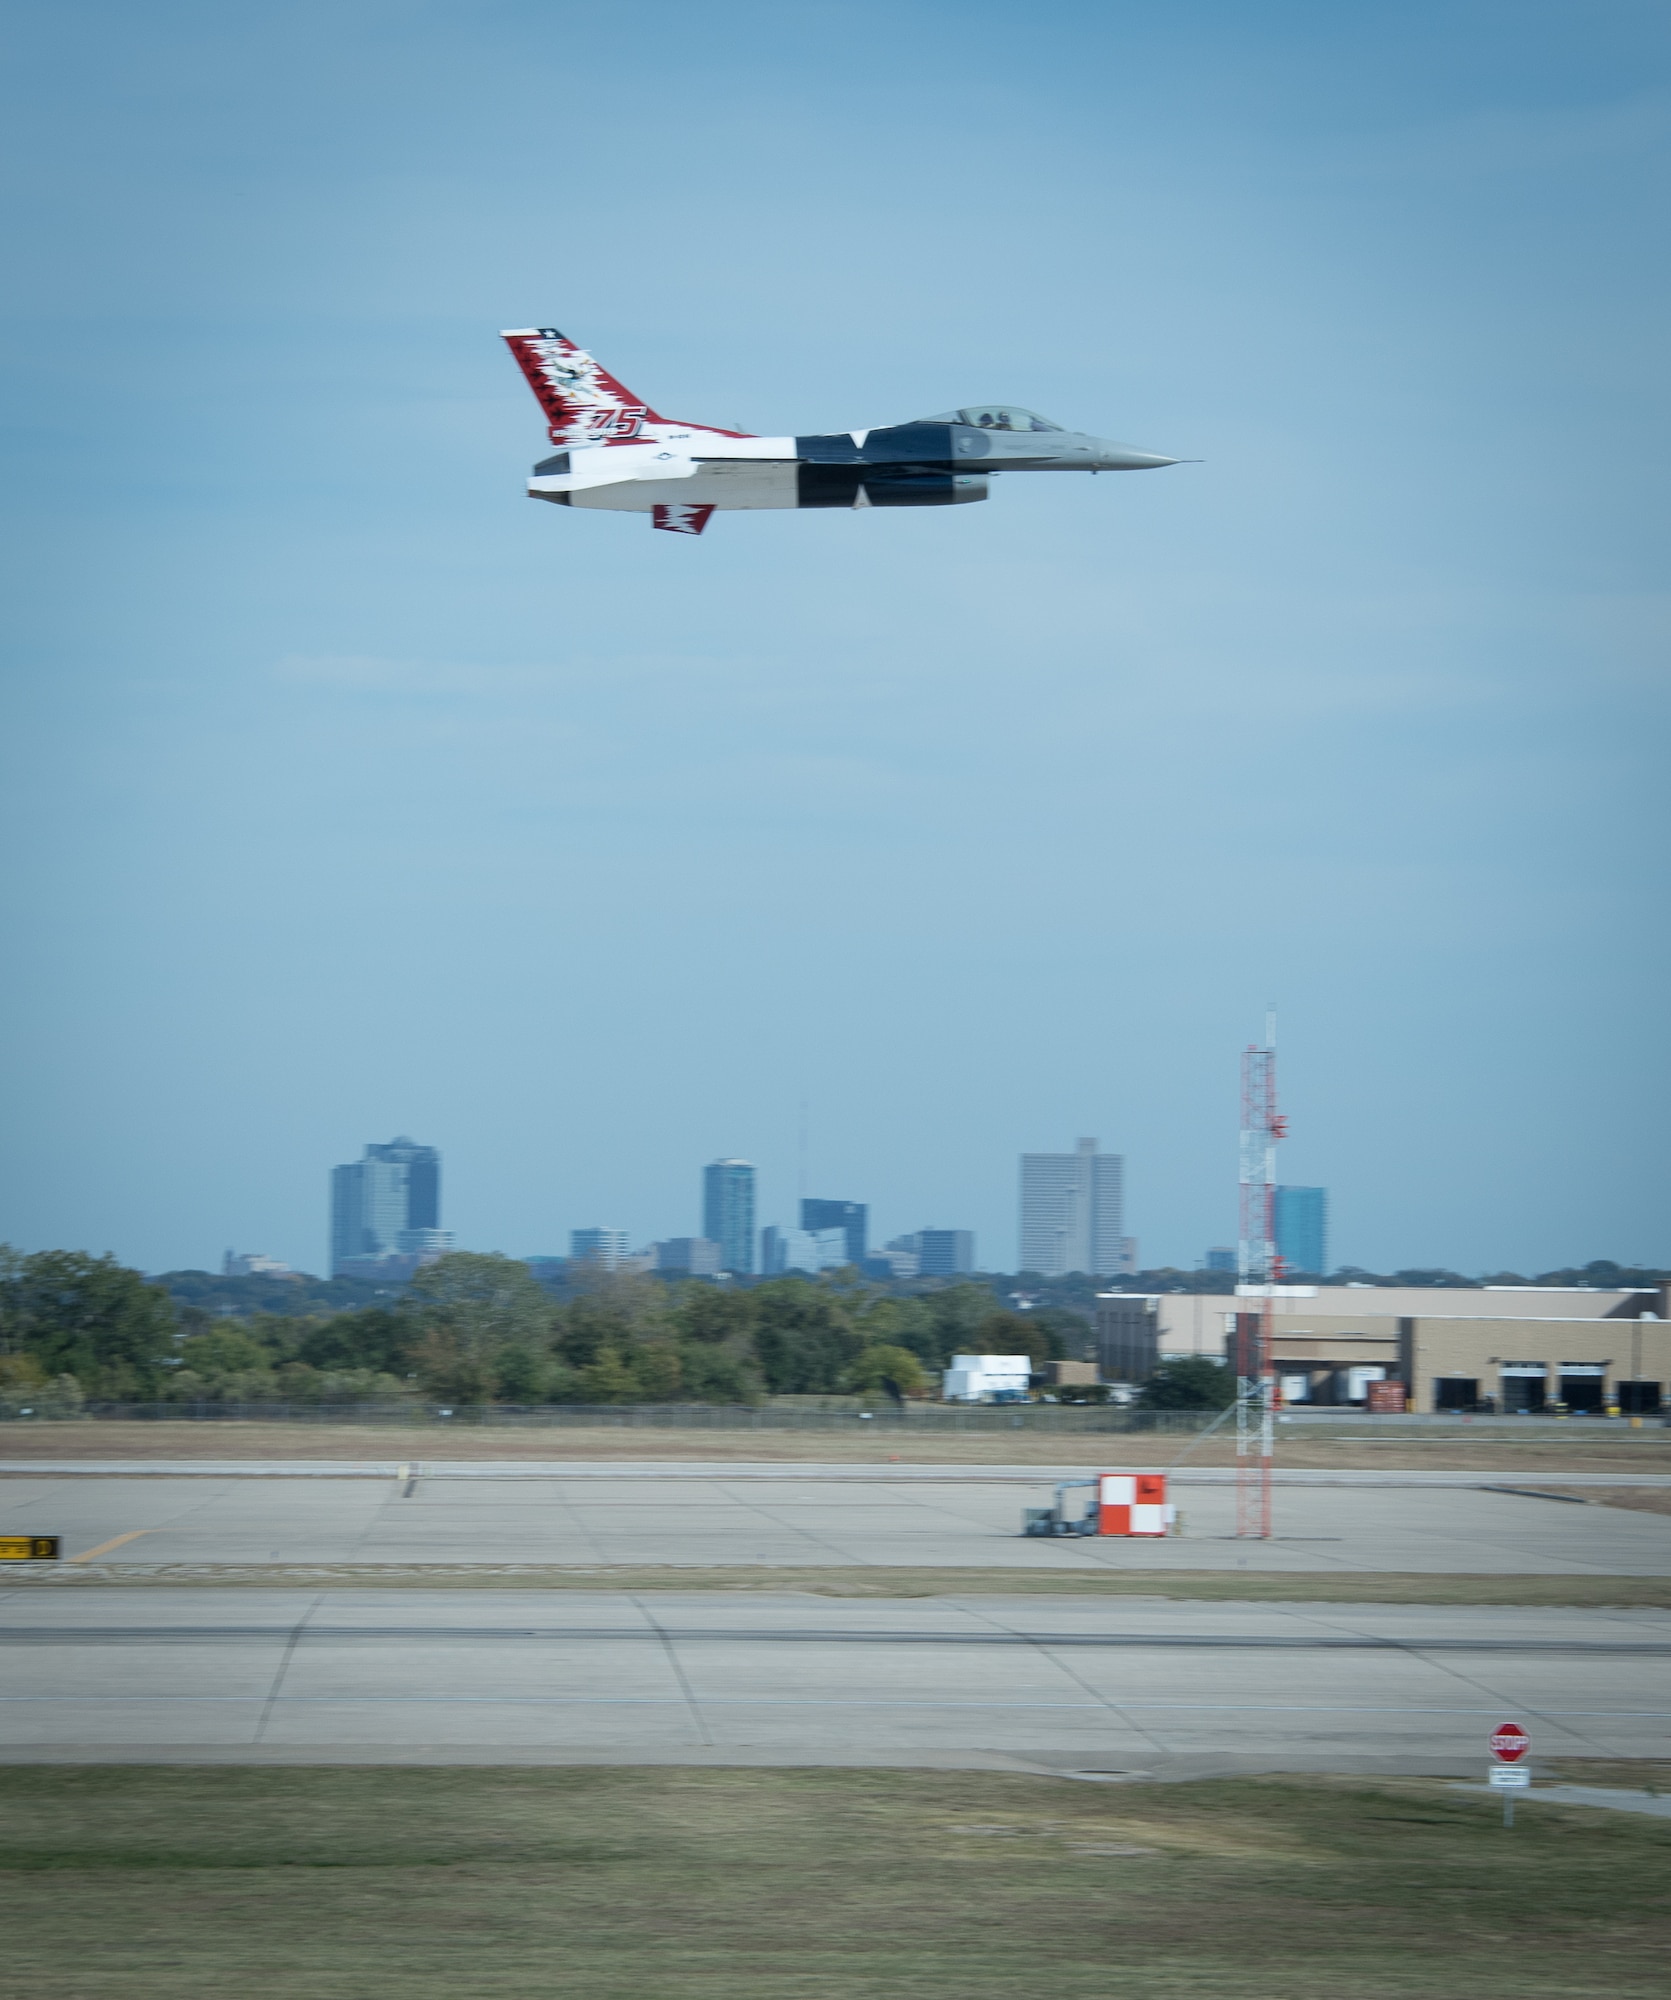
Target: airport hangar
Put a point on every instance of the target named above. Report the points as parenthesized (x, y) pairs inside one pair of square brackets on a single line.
[(1503, 1348)]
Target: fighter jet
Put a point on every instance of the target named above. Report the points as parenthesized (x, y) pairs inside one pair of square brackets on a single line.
[(617, 452)]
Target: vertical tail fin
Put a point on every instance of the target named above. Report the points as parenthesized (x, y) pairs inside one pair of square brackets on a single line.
[(583, 402)]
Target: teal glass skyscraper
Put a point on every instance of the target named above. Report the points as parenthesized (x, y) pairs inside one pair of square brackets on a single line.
[(1302, 1229), (728, 1212)]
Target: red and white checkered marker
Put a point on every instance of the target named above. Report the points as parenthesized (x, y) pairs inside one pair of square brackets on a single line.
[(1132, 1503), (1510, 1743)]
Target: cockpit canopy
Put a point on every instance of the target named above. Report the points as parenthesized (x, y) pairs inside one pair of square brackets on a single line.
[(994, 417)]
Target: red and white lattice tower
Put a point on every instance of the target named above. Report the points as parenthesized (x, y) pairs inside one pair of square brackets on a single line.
[(1258, 1265)]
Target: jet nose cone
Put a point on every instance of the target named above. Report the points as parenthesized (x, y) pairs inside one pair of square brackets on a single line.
[(1112, 457)]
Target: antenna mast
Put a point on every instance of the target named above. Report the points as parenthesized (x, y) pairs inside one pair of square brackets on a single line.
[(1258, 1264)]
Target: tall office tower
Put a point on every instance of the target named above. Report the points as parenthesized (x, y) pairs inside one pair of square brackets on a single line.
[(1220, 1259), (394, 1192), (602, 1248), (1302, 1229), (850, 1217), (945, 1253), (1073, 1212), (728, 1212)]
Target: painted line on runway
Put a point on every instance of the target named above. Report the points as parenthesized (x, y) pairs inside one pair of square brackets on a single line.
[(104, 1548)]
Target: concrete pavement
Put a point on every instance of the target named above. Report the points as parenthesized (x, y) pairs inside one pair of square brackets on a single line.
[(708, 1516), (1133, 1686)]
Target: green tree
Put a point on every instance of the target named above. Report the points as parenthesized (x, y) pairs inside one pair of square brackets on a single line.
[(1192, 1383), (224, 1350), (89, 1317), (907, 1323), (587, 1325), (803, 1337), (660, 1375), (609, 1378), (717, 1374), (375, 1338), (876, 1367), (705, 1313), (957, 1312), (467, 1309), (1016, 1333)]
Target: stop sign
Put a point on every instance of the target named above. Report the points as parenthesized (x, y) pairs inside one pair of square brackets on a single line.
[(1510, 1742)]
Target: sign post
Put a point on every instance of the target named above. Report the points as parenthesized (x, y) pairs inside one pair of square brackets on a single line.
[(1509, 1743)]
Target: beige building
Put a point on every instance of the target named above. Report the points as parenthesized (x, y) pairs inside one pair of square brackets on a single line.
[(1501, 1348)]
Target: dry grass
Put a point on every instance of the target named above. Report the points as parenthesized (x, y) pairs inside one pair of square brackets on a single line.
[(1638, 1774), (1622, 1450), (1640, 1499), (453, 1884), (1266, 1586)]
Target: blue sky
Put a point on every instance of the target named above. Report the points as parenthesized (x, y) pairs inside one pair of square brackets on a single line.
[(348, 793)]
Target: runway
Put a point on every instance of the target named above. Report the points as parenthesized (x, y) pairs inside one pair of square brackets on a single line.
[(1097, 1686), (1100, 1687), (706, 1516)]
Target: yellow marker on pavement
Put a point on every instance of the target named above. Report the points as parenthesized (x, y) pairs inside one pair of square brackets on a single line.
[(104, 1548)]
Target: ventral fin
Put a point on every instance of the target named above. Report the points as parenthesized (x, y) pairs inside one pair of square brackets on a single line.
[(680, 517)]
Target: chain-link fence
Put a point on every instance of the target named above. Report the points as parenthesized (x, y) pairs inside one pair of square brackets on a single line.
[(919, 1420)]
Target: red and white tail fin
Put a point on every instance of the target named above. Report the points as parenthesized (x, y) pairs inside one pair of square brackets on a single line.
[(583, 402)]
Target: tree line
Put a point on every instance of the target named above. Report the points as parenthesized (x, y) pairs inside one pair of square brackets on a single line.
[(476, 1329)]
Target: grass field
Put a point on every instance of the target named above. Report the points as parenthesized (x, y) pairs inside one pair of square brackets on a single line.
[(414, 1884), (1618, 1449), (1286, 1587)]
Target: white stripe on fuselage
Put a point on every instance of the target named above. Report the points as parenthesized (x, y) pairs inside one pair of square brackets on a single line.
[(735, 485), (715, 445)]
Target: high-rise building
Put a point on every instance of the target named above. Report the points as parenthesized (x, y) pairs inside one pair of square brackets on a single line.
[(394, 1193), (603, 1249), (728, 1212), (810, 1250), (1219, 1259), (1302, 1229), (945, 1253), (1073, 1212), (850, 1217)]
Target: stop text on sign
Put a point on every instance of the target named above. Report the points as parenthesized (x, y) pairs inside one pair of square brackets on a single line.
[(1510, 1742)]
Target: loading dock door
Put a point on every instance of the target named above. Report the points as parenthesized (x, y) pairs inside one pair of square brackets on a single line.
[(1582, 1384), (1639, 1399), (1455, 1392), (1523, 1387)]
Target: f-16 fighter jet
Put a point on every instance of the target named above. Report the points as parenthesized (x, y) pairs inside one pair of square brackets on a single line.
[(615, 451)]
